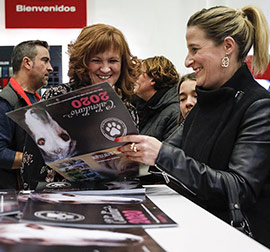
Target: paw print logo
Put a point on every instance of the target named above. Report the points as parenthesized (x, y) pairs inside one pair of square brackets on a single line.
[(112, 128), (59, 216), (58, 185)]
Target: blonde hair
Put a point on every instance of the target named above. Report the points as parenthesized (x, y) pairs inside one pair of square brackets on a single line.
[(97, 39), (162, 71), (247, 26)]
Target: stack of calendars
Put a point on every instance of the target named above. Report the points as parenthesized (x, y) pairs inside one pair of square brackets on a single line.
[(101, 206), (9, 205)]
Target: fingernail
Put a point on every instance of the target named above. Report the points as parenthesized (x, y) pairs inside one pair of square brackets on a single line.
[(127, 156), (119, 149), (116, 139)]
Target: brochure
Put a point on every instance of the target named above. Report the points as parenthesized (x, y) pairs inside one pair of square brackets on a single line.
[(9, 204), (94, 211), (105, 187), (32, 237), (75, 133)]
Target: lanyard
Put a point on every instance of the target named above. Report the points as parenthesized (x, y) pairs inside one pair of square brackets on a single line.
[(16, 86)]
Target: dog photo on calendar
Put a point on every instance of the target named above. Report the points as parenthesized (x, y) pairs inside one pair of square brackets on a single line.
[(80, 127)]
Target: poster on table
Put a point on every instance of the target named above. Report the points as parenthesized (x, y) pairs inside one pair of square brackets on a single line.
[(33, 237), (68, 209)]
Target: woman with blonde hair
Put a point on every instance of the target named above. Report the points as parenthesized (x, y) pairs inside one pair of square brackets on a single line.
[(226, 136)]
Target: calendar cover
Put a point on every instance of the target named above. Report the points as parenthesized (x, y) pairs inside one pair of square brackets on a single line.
[(75, 133), (95, 211)]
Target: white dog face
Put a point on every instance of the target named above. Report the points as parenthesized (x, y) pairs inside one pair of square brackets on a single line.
[(70, 198), (53, 140), (48, 235)]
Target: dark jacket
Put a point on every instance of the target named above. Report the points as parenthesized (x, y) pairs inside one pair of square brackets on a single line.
[(15, 101), (11, 178), (227, 130), (158, 116)]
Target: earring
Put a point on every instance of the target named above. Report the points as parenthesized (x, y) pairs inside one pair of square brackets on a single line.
[(225, 62)]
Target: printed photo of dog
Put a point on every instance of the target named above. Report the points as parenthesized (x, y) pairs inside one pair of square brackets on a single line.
[(32, 233), (54, 142)]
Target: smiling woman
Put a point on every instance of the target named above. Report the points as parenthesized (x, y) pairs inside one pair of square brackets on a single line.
[(227, 132), (105, 66), (100, 53)]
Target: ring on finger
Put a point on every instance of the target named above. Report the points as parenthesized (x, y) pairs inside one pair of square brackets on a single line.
[(133, 147)]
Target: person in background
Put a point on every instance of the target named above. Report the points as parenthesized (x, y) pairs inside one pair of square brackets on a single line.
[(227, 133), (187, 94), (31, 68), (99, 54), (157, 105)]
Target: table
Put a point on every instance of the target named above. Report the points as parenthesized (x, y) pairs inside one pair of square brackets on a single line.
[(198, 230)]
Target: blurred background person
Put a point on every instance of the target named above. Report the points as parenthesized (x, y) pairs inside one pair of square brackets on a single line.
[(187, 94), (157, 105)]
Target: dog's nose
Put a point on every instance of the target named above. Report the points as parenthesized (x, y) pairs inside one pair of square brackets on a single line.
[(58, 150)]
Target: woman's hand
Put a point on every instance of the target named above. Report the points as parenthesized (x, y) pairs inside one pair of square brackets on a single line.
[(141, 148)]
